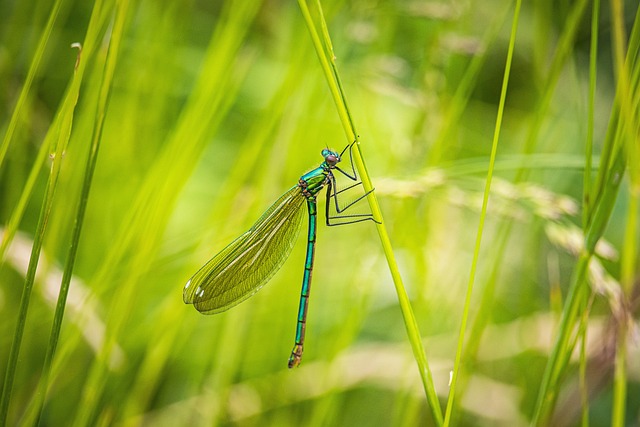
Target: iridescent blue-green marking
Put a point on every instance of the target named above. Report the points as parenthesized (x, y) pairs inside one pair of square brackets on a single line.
[(247, 263)]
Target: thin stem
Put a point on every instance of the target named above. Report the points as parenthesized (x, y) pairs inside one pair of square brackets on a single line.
[(620, 374), (331, 73), (80, 213), (62, 129), (483, 214), (593, 56), (584, 387)]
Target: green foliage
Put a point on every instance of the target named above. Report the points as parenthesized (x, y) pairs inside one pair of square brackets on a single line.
[(126, 165)]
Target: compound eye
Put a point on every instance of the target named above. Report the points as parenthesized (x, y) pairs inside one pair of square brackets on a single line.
[(331, 159)]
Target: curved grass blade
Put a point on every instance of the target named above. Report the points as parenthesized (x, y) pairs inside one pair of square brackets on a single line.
[(247, 263)]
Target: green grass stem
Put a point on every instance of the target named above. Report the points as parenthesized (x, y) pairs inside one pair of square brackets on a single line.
[(61, 132), (548, 390), (630, 117), (586, 200), (562, 348), (593, 57), (69, 107), (483, 214), (329, 68), (584, 386), (523, 169), (91, 40)]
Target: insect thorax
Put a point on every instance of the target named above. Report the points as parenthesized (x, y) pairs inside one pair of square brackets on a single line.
[(312, 182)]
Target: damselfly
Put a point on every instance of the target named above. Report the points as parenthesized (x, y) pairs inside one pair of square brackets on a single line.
[(247, 263)]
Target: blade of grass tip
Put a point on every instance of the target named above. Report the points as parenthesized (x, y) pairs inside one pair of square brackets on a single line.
[(483, 212), (411, 325), (62, 131)]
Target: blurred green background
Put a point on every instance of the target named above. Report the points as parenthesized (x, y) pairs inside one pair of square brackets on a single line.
[(215, 109)]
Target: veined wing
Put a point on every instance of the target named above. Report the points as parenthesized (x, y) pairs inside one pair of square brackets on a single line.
[(247, 263)]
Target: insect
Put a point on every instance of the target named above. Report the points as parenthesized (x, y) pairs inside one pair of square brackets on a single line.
[(247, 263)]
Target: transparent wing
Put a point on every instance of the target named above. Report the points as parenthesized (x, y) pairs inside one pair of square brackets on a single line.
[(247, 263)]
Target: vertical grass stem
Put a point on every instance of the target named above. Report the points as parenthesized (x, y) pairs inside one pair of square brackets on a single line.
[(483, 214), (331, 73)]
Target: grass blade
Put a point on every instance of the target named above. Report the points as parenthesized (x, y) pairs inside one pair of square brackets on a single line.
[(483, 214), (331, 73), (92, 37), (61, 131), (630, 119), (611, 172)]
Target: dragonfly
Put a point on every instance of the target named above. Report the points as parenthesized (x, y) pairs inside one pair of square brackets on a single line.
[(245, 265)]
